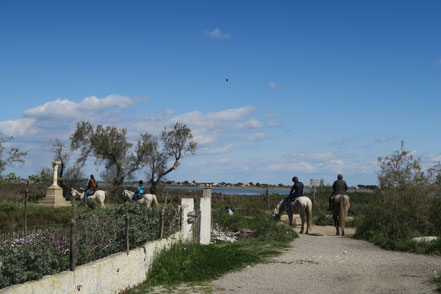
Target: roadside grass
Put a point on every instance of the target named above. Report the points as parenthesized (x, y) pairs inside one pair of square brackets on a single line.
[(437, 282), (186, 263)]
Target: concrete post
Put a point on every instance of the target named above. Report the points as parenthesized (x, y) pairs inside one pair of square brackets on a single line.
[(187, 206), (205, 226), (55, 165)]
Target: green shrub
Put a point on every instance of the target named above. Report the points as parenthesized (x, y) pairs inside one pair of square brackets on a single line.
[(32, 258), (404, 207)]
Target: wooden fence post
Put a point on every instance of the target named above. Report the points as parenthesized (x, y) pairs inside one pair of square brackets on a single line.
[(72, 235), (267, 198), (161, 224), (26, 210), (127, 235)]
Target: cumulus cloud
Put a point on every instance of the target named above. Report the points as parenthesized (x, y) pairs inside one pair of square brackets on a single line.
[(272, 85), (217, 34), (18, 127), (67, 109)]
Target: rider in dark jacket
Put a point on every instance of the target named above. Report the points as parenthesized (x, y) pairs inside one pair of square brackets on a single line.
[(296, 191), (339, 187), (91, 187)]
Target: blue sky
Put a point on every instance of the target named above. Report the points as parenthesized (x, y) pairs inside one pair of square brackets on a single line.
[(315, 87)]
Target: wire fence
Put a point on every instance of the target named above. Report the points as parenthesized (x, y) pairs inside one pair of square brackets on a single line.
[(90, 236)]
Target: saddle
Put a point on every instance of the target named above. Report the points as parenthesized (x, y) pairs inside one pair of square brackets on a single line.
[(91, 192)]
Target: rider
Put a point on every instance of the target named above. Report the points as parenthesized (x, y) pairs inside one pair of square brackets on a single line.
[(91, 187), (296, 191), (339, 187), (140, 190)]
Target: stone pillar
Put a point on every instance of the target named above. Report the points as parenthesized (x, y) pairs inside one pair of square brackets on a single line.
[(205, 225), (188, 206), (54, 194)]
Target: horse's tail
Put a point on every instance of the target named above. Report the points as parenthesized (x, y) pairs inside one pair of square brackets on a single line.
[(309, 214), (341, 212), (155, 202)]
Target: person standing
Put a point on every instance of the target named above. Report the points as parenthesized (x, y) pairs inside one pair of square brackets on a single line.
[(91, 187), (296, 191), (339, 187)]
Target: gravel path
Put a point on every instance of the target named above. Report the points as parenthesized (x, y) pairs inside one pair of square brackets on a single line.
[(325, 263)]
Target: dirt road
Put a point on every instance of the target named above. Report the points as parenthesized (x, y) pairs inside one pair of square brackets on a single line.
[(325, 263)]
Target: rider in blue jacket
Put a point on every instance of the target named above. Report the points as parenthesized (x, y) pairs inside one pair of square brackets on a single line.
[(140, 191)]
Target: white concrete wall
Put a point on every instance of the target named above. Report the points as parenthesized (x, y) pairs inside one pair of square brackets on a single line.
[(112, 274)]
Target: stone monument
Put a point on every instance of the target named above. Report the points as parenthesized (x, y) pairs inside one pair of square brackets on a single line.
[(54, 195)]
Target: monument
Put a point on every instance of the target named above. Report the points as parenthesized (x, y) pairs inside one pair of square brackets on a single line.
[(54, 195)]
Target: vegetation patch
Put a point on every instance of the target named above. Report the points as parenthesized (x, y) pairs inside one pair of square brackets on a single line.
[(437, 281), (407, 205)]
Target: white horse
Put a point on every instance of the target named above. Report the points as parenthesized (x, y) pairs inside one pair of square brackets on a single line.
[(99, 196), (144, 199), (299, 206)]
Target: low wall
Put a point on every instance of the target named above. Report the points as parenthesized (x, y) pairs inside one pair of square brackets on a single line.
[(112, 274)]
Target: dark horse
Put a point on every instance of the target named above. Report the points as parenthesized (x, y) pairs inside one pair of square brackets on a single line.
[(340, 206)]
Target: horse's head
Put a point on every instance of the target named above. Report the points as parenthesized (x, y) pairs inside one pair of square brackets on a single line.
[(276, 213)]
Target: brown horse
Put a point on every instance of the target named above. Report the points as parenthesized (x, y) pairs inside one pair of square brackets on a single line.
[(340, 206)]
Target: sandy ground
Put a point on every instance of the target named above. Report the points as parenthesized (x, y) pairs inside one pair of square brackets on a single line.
[(324, 263)]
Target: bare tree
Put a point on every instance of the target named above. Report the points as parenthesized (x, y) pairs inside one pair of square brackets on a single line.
[(165, 153), (110, 147), (9, 156), (61, 155)]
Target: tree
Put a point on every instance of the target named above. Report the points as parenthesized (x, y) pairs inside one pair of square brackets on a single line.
[(110, 147), (9, 156), (166, 152), (60, 155)]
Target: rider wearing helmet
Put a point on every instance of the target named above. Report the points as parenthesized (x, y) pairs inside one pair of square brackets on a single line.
[(296, 191), (140, 190), (339, 187)]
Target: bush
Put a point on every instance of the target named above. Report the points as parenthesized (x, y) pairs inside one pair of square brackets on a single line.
[(32, 258), (404, 207), (99, 233)]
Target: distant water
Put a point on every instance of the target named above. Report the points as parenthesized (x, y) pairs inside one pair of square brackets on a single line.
[(233, 190)]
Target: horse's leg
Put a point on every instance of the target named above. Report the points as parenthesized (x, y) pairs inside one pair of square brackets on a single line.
[(290, 217), (302, 217), (336, 224)]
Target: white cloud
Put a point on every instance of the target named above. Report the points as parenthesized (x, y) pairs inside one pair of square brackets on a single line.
[(272, 85), (224, 160), (384, 139), (67, 109), (18, 127), (216, 34), (271, 115), (322, 156), (169, 111), (258, 137), (252, 124), (215, 149), (273, 123), (197, 118)]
